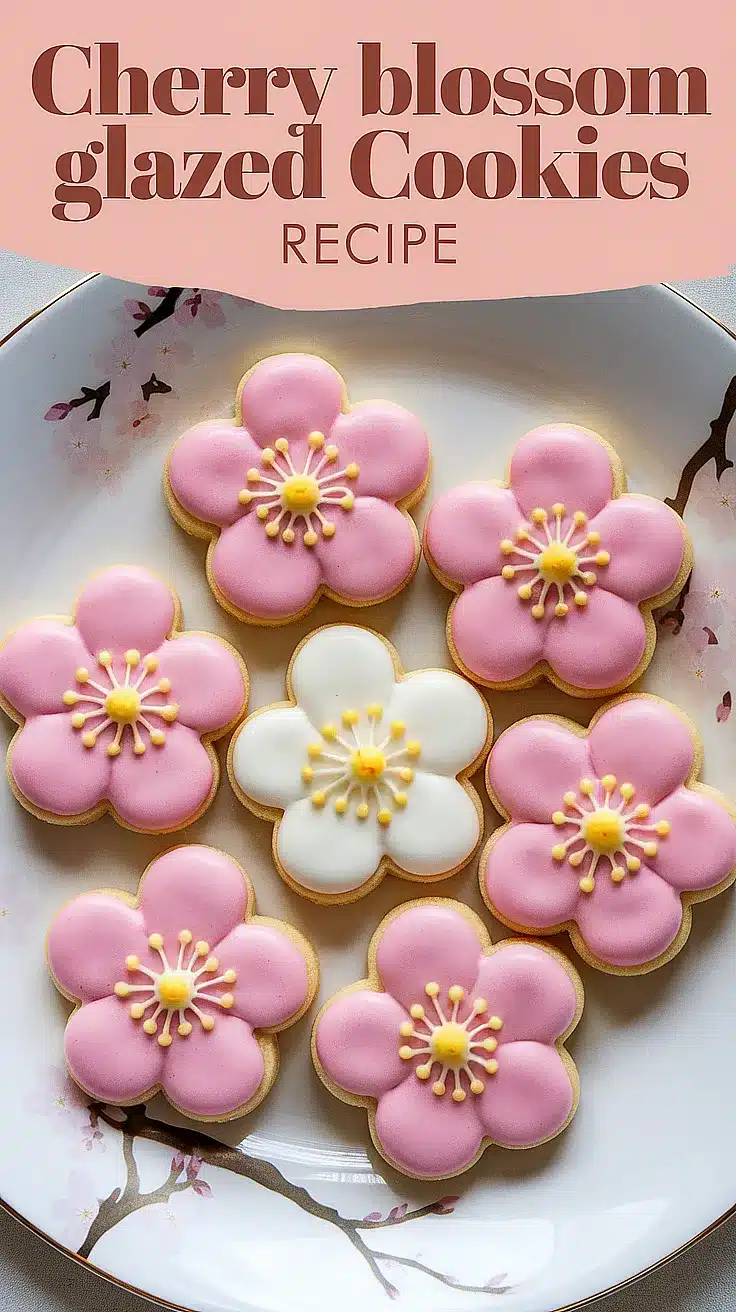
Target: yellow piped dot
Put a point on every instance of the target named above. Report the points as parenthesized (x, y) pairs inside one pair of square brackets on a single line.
[(589, 578), (602, 558), (245, 497), (267, 456), (642, 811), (432, 989), (150, 663), (491, 1066), (70, 698), (341, 805), (627, 791), (576, 859), (561, 610), (406, 1029), (569, 799), (82, 675), (319, 798), (417, 1011), (525, 591), (164, 685), (310, 538), (262, 512), (211, 965), (580, 518), (490, 1045), (139, 748), (507, 547), (155, 941), (618, 874), (586, 787), (398, 728), (662, 827), (558, 510), (122, 990), (456, 993), (538, 611), (413, 747), (609, 782), (538, 515), (581, 599), (559, 818), (406, 774), (328, 529), (438, 1088), (207, 1023), (633, 864), (227, 1000), (104, 658), (405, 1052), (158, 737), (314, 750), (522, 533), (132, 962), (184, 1029), (185, 937), (329, 731), (650, 849), (253, 476), (132, 657), (374, 711), (149, 1026), (423, 1072), (331, 452), (477, 1086), (593, 538), (137, 1010), (307, 774), (352, 470), (164, 1040), (230, 976), (281, 445), (495, 1022), (347, 502), (316, 440), (479, 1006), (350, 717), (401, 799), (508, 572), (587, 884), (272, 529), (88, 739), (362, 811), (458, 1095), (384, 816), (558, 852), (202, 948)]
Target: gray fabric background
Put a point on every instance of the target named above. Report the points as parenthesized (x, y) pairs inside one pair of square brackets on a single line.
[(35, 1278)]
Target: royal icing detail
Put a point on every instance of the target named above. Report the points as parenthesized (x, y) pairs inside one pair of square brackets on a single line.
[(366, 764), (613, 856), (302, 471), (471, 1063), (117, 707), (556, 569), (178, 1010), (554, 559)]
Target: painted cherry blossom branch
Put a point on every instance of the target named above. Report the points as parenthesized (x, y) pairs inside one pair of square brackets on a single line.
[(200, 1148), (713, 448)]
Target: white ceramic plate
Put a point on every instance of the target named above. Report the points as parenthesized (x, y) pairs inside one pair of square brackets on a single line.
[(275, 1217)]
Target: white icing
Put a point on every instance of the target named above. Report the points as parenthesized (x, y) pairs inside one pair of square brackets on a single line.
[(339, 818)]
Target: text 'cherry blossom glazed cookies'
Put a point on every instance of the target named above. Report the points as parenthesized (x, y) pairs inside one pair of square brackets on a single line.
[(557, 570), (365, 769), (453, 1042), (180, 989), (306, 496), (610, 836), (118, 708)]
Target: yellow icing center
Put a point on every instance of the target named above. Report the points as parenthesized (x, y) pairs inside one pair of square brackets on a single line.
[(300, 493), (368, 764), (557, 564), (450, 1044), (604, 831), (175, 988), (123, 705)]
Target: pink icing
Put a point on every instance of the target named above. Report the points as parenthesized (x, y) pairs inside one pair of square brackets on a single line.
[(373, 549), (640, 741), (207, 1073), (597, 644), (527, 1100), (124, 608)]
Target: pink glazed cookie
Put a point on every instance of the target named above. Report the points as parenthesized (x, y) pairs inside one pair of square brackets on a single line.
[(180, 989), (558, 569), (453, 1042), (305, 496), (118, 709), (609, 836)]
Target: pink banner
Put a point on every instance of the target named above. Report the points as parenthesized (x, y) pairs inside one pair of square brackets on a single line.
[(346, 155)]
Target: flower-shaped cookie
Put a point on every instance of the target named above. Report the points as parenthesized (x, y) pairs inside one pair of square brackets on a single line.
[(452, 1043), (118, 708), (610, 837), (558, 571), (180, 989), (369, 767), (307, 496)]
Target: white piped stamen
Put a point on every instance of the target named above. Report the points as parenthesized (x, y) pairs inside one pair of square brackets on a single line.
[(450, 1043), (123, 703), (369, 773), (299, 494), (176, 989), (556, 562), (606, 830)]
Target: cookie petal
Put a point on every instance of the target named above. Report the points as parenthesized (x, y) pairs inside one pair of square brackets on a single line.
[(165, 787), (523, 882), (264, 577), (54, 770), (529, 1098), (195, 888), (561, 463), (599, 646), (372, 553), (427, 1135), (272, 978), (530, 990), (465, 528), (630, 923), (109, 1054), (123, 607), (444, 714), (38, 664), (88, 942), (646, 543), (494, 632), (389, 446), (326, 852), (645, 742), (290, 396), (339, 668), (358, 1040), (700, 849), (269, 753), (207, 681), (429, 943), (215, 1073), (533, 765), (438, 828), (207, 470)]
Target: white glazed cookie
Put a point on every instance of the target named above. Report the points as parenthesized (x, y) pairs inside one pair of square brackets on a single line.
[(364, 769)]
